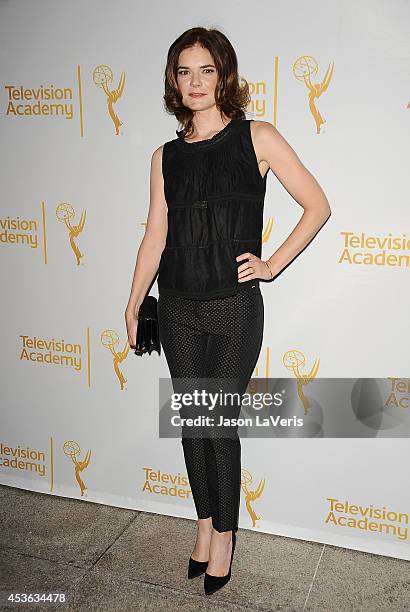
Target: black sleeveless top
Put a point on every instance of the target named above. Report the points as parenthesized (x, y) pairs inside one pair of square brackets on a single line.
[(215, 197)]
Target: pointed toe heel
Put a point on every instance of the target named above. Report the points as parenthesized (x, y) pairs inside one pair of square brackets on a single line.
[(196, 568), (214, 583)]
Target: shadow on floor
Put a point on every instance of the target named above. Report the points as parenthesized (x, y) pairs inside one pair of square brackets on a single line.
[(107, 559)]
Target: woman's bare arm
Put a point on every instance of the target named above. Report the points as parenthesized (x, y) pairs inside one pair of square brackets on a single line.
[(151, 247), (271, 147)]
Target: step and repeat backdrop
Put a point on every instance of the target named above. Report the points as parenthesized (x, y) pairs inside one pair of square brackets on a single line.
[(81, 112)]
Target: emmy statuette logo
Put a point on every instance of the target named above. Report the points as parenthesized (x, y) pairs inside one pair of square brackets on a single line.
[(103, 77), (251, 494), (110, 340), (65, 213), (305, 68), (267, 231), (72, 450), (294, 360)]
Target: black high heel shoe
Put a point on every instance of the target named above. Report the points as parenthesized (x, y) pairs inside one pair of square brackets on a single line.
[(213, 583), (196, 568)]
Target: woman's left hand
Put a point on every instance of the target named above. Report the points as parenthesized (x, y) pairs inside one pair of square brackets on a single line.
[(253, 268)]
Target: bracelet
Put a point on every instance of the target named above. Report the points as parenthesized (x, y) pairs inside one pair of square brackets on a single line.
[(270, 269)]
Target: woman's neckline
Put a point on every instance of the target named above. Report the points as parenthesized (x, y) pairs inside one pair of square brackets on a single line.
[(208, 141)]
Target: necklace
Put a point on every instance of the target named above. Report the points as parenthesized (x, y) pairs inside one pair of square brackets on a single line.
[(207, 141), (210, 134)]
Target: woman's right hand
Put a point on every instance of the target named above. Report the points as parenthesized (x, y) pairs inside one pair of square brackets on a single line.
[(131, 314)]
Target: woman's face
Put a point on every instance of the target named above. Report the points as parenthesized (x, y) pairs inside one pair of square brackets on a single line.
[(197, 73)]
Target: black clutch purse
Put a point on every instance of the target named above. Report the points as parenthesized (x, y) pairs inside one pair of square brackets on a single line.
[(147, 335)]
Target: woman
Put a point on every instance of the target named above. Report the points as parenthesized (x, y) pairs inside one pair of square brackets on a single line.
[(204, 234)]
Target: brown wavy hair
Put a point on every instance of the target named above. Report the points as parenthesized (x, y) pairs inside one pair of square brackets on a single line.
[(231, 97)]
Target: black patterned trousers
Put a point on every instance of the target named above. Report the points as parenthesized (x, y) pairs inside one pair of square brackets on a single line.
[(213, 339)]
